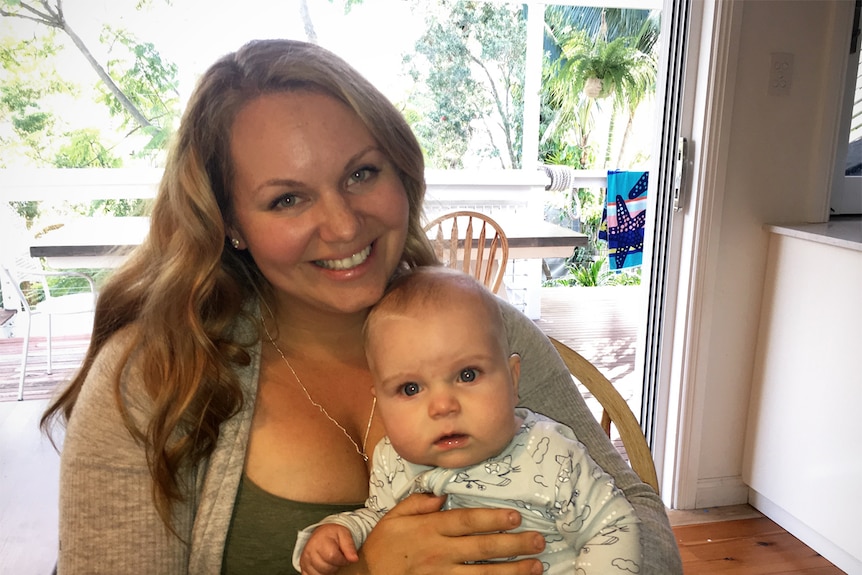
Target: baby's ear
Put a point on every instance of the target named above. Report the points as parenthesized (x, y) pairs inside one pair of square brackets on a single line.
[(515, 370)]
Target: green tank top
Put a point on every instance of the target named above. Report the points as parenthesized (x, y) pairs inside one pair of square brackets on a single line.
[(263, 529)]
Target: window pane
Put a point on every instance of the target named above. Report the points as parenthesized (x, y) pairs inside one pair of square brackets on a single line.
[(853, 167)]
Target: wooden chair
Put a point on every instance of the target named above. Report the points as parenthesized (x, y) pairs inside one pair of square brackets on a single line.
[(26, 279), (614, 410), (486, 265)]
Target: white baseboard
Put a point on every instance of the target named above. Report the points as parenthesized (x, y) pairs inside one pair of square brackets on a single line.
[(721, 491), (837, 556)]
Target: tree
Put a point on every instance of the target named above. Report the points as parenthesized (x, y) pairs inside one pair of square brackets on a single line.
[(149, 82), (141, 88), (471, 59)]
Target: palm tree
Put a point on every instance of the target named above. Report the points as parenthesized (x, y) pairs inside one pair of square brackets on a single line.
[(614, 46)]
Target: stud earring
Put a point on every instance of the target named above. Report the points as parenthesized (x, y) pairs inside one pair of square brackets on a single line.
[(235, 243)]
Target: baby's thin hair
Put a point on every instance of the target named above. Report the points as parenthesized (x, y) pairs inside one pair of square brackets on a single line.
[(430, 286)]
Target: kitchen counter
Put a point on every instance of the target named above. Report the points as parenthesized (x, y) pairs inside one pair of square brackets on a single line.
[(843, 232)]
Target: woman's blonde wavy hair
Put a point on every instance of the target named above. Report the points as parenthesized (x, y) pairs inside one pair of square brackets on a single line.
[(184, 287)]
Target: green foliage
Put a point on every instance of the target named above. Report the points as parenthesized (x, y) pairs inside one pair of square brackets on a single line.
[(474, 56), (592, 275), (28, 210), (136, 84), (626, 277), (562, 154), (589, 274), (617, 45), (594, 272), (611, 62), (85, 150), (608, 23), (149, 81), (24, 87), (119, 208), (32, 80)]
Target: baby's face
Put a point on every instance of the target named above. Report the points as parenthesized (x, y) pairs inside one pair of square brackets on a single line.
[(446, 388)]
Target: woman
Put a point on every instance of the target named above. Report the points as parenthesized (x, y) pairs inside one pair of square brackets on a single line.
[(225, 400)]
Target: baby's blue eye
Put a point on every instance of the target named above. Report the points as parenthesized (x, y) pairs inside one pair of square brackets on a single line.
[(468, 375), (410, 389)]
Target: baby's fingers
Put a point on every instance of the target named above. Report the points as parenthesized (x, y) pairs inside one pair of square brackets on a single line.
[(319, 566), (348, 548)]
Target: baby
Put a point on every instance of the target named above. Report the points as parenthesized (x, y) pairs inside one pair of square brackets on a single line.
[(447, 388)]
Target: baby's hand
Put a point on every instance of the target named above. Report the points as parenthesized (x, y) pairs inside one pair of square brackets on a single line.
[(329, 548)]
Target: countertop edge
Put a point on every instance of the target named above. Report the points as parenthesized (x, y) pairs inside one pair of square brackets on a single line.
[(845, 233)]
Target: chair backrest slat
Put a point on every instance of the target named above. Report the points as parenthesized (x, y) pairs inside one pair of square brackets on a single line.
[(468, 241), (487, 261), (615, 409)]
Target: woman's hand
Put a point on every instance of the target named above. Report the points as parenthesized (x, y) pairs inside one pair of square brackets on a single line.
[(416, 538)]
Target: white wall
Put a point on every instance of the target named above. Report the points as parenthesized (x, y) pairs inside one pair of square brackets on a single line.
[(776, 170)]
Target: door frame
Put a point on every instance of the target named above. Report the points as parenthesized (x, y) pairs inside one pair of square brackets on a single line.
[(706, 114)]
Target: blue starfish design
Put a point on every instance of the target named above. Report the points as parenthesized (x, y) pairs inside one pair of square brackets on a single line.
[(628, 235)]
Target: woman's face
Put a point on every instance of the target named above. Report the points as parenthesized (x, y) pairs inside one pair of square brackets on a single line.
[(317, 204)]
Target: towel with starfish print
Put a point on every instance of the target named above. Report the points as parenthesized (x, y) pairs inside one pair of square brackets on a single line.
[(624, 218)]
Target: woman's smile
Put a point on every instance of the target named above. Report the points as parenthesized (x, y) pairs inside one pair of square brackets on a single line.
[(347, 263)]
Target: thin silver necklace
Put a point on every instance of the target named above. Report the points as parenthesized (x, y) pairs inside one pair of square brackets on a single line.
[(360, 451)]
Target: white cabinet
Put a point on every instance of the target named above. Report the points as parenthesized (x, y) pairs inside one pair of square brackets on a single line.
[(803, 456)]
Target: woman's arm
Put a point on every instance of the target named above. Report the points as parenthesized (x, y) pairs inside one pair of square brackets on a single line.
[(546, 387), (108, 521)]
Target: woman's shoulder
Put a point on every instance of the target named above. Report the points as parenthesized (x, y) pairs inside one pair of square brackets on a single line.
[(519, 327), (539, 359), (111, 359), (112, 355), (96, 415)]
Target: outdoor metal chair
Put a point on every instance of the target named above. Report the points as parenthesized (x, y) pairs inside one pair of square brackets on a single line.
[(614, 410), (35, 296), (484, 258)]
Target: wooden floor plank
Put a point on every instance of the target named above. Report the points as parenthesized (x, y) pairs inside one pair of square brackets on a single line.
[(755, 546), (723, 531), (66, 356)]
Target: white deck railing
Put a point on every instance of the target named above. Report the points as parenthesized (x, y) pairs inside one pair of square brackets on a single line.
[(84, 184)]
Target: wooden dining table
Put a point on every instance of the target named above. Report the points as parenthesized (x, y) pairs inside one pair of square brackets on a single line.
[(94, 242), (538, 239)]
